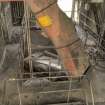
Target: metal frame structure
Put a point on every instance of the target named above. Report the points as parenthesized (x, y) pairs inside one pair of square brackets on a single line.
[(74, 91)]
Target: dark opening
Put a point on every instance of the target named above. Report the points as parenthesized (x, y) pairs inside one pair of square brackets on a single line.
[(17, 10)]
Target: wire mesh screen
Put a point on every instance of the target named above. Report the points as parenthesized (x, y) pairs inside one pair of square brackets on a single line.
[(27, 91), (91, 20), (41, 78), (18, 9)]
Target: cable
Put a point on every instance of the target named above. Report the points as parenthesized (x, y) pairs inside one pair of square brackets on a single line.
[(40, 11), (51, 47)]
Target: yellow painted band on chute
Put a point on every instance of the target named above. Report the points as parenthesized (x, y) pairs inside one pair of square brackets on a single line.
[(45, 21)]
